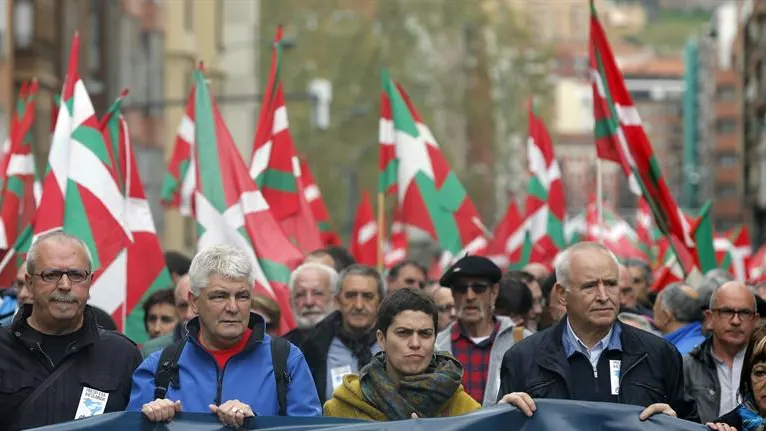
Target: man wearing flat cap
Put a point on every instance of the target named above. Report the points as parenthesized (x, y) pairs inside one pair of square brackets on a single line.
[(478, 339)]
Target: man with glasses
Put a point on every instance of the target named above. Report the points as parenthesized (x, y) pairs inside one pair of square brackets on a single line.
[(712, 370), (56, 364), (406, 273), (479, 338)]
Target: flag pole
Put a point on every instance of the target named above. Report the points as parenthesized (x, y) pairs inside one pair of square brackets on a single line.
[(599, 200), (381, 228)]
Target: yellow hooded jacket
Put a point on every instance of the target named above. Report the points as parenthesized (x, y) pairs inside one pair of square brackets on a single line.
[(348, 402)]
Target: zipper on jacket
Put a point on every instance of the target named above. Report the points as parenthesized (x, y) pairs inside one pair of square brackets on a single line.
[(622, 377), (39, 348)]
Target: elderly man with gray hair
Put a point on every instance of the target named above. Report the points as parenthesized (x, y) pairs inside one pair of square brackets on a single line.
[(344, 341), (227, 357), (678, 314), (591, 356)]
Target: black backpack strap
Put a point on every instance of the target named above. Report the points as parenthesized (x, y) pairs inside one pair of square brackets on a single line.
[(167, 369), (280, 350)]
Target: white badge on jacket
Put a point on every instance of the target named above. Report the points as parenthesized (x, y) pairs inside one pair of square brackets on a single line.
[(614, 375), (92, 403), (337, 374)]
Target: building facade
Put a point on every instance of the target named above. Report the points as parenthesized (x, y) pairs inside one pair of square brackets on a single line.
[(752, 72)]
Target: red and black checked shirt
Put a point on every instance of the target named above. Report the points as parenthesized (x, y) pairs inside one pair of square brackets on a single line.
[(475, 359)]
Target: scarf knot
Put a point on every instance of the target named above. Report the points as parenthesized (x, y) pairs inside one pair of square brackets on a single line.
[(424, 394), (358, 344)]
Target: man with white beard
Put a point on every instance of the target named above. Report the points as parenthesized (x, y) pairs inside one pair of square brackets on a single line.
[(311, 287), (311, 296)]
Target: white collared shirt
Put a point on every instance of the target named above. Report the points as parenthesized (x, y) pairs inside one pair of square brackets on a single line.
[(593, 354)]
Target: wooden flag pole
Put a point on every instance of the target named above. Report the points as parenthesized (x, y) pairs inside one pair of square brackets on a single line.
[(381, 229)]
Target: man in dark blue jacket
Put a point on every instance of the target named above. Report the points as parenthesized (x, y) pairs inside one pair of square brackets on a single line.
[(225, 366), (589, 355)]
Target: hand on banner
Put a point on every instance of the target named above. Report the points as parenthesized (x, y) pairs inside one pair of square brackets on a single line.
[(658, 408), (522, 401), (718, 426), (232, 413), (161, 409)]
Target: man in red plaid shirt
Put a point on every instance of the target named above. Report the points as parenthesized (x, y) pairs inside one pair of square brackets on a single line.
[(478, 339)]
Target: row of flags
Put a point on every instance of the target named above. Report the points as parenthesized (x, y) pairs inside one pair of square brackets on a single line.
[(272, 207)]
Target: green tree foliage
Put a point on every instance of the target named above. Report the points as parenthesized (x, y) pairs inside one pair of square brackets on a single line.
[(434, 48)]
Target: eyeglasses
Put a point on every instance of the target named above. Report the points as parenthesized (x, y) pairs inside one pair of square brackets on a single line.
[(729, 313), (478, 288), (54, 275)]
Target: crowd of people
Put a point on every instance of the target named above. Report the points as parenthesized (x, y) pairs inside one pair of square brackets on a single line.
[(383, 346)]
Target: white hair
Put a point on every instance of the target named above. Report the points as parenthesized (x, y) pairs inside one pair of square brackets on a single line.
[(331, 273), (222, 260), (563, 261), (59, 235)]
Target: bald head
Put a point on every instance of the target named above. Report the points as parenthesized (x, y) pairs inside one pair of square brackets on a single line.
[(733, 291), (538, 270)]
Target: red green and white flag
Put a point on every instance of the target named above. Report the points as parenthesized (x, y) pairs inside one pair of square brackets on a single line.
[(620, 137), (733, 252), (86, 202), (545, 208), (20, 187), (509, 238), (430, 195), (614, 233), (397, 244), (144, 259), (364, 235), (180, 178), (275, 166), (229, 208), (318, 208)]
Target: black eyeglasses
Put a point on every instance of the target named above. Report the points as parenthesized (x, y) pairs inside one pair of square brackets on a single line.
[(478, 288), (54, 275), (729, 313)]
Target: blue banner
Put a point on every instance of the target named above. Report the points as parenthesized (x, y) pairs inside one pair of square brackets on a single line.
[(551, 415)]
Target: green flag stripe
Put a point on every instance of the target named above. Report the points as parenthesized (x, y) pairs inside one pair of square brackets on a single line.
[(76, 223), (91, 139), (277, 180), (275, 272), (536, 189), (403, 120), (387, 178), (444, 222), (207, 148)]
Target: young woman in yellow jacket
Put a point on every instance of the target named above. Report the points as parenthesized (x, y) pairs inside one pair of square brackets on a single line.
[(407, 378)]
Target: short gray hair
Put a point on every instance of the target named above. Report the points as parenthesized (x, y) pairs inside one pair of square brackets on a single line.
[(363, 270), (332, 275), (682, 301), (563, 260), (225, 261), (58, 235)]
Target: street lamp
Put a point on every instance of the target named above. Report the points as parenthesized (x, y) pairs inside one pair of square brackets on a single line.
[(23, 23)]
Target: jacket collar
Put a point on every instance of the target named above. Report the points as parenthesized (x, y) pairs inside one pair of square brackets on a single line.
[(256, 324), (704, 352), (551, 354), (27, 335)]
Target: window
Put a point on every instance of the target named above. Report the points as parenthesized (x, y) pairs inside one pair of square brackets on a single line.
[(23, 23), (726, 190), (726, 93), (189, 15), (725, 125), (94, 44), (727, 159)]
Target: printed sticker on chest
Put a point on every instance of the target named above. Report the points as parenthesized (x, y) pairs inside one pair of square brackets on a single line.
[(92, 403), (614, 376)]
